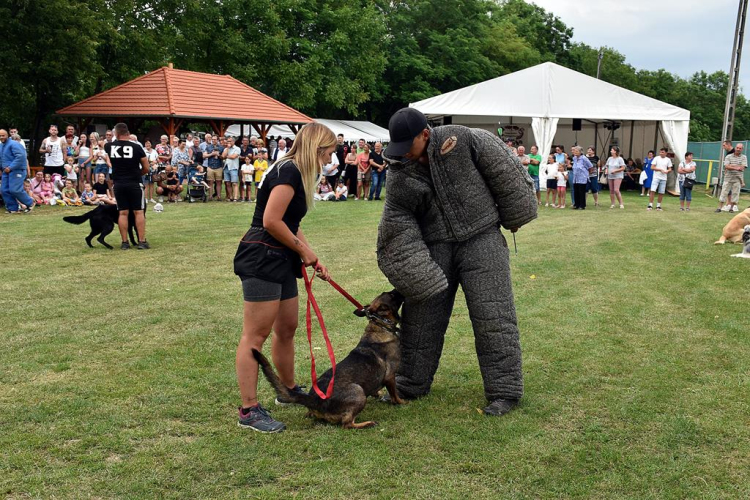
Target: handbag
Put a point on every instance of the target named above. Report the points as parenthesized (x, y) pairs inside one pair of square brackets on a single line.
[(260, 255), (688, 183)]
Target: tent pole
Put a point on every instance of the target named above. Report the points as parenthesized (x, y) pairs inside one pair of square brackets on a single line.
[(632, 130), (596, 136), (656, 136)]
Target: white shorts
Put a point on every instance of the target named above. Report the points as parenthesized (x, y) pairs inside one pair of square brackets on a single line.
[(659, 186)]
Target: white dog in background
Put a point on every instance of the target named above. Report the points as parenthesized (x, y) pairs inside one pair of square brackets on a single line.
[(745, 244)]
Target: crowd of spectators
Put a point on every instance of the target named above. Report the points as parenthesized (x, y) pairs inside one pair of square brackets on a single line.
[(77, 171), (582, 174), (225, 168)]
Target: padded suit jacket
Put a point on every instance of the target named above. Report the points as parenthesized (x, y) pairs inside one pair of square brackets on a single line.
[(473, 182)]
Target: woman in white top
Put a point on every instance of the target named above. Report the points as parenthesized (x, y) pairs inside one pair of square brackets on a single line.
[(615, 168), (84, 161), (153, 158), (686, 170)]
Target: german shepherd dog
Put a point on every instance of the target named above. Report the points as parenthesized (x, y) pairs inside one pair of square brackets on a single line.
[(103, 220), (369, 367)]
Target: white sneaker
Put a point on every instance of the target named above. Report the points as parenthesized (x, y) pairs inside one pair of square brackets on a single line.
[(161, 199), (726, 208), (546, 204), (735, 208), (611, 206), (151, 200), (622, 206)]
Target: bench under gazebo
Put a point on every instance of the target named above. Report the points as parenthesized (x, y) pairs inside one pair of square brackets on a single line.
[(174, 97)]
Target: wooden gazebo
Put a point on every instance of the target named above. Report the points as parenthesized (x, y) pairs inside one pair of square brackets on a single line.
[(173, 97)]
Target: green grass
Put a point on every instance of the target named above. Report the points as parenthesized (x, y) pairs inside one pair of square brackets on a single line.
[(118, 380)]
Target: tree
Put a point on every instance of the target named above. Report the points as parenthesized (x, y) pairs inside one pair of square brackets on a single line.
[(52, 47)]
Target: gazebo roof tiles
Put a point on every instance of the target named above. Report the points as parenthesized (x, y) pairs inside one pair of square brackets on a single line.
[(169, 92)]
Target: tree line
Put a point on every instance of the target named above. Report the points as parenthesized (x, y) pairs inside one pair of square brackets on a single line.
[(329, 58)]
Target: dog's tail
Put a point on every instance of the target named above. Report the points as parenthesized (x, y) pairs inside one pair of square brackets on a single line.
[(281, 390), (78, 219)]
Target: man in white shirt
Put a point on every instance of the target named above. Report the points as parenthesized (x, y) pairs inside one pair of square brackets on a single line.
[(231, 157), (331, 170), (279, 152), (661, 166), (55, 155), (14, 131)]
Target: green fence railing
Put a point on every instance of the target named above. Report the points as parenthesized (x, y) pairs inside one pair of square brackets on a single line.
[(707, 157)]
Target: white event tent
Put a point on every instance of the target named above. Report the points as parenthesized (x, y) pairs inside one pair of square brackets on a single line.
[(549, 96), (352, 130)]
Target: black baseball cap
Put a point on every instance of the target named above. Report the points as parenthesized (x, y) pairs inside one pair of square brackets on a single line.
[(404, 126)]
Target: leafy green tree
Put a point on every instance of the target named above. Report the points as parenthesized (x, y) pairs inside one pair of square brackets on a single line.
[(50, 45)]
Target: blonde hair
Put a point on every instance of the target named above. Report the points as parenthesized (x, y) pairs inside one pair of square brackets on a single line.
[(311, 141)]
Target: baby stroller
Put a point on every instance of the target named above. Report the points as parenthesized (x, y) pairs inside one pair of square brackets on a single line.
[(196, 189)]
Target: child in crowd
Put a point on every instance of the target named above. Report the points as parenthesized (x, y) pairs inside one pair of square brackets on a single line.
[(260, 166), (47, 190), (70, 195), (247, 179), (29, 191), (551, 176), (88, 197), (71, 170), (562, 179), (199, 178), (325, 191), (341, 190), (102, 191), (59, 183)]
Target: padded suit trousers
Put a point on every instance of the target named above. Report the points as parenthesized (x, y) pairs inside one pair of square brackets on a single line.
[(482, 269)]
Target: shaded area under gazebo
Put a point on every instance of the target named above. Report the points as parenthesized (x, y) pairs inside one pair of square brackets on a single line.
[(174, 97)]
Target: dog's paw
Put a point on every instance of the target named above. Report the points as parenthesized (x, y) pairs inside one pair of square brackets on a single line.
[(718, 242)]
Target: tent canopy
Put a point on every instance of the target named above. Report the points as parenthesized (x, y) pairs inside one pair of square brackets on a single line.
[(547, 93), (550, 91), (352, 130)]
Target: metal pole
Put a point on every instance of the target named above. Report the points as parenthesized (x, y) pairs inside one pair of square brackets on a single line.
[(732, 88), (599, 64)]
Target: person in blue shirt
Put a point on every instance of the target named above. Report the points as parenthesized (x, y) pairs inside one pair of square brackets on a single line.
[(649, 173), (13, 163)]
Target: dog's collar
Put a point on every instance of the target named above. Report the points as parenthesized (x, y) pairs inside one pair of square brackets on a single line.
[(384, 323)]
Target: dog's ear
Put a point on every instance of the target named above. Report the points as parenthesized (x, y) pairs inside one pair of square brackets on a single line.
[(397, 295)]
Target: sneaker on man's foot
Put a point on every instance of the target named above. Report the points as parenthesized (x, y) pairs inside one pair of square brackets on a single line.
[(500, 407), (658, 209), (735, 208), (649, 208), (125, 246), (143, 245), (726, 208), (281, 401), (258, 419)]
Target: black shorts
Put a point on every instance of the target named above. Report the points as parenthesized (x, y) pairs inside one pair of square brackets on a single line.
[(55, 170), (130, 197), (258, 290), (551, 183)]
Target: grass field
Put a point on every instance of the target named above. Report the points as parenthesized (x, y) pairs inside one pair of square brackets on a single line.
[(118, 379)]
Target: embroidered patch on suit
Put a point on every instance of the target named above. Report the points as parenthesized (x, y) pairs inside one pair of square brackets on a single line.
[(448, 145)]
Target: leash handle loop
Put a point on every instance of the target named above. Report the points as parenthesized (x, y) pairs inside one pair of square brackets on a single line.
[(308, 320)]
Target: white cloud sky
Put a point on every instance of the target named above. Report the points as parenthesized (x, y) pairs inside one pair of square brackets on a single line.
[(681, 36)]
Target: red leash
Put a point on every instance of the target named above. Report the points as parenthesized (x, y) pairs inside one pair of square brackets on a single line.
[(308, 320)]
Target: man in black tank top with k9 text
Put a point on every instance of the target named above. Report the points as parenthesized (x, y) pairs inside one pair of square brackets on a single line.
[(129, 164)]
